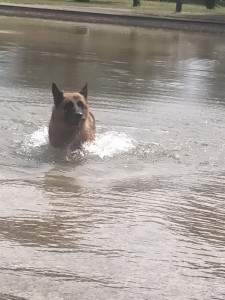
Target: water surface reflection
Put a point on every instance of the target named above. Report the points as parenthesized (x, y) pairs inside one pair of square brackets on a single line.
[(137, 214)]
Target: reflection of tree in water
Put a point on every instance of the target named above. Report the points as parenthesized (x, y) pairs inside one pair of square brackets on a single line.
[(71, 53), (62, 227)]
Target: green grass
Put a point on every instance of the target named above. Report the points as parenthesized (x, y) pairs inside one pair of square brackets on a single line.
[(155, 8), (168, 9)]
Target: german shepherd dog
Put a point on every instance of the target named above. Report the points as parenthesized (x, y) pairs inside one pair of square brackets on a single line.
[(71, 122)]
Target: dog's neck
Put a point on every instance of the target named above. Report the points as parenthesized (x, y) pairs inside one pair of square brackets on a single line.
[(69, 133)]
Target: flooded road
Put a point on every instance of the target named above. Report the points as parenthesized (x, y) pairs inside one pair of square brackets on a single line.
[(140, 212)]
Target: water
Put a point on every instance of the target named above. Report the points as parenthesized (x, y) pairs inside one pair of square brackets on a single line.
[(137, 214)]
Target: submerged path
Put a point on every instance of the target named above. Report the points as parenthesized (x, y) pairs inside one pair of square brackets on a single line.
[(214, 24)]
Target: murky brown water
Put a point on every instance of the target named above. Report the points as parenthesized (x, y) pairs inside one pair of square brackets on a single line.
[(139, 213)]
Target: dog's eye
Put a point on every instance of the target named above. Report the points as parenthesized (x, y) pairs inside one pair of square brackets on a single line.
[(80, 104), (68, 106)]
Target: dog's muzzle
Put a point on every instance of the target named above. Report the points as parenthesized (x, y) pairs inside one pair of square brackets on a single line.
[(74, 118), (78, 117)]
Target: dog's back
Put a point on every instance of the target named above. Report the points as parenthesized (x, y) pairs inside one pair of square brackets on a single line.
[(71, 122)]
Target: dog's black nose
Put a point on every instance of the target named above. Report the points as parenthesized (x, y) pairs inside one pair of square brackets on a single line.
[(79, 115)]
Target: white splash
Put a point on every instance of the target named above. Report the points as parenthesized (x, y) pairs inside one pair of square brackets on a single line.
[(109, 144), (105, 144), (38, 138)]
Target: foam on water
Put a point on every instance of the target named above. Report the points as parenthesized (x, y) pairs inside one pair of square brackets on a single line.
[(105, 144), (109, 144), (37, 138)]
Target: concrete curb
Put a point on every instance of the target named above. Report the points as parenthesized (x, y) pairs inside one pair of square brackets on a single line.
[(106, 16)]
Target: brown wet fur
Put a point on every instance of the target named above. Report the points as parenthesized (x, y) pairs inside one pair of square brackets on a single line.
[(71, 122)]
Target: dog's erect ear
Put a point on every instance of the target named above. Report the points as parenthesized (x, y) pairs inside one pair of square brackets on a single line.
[(57, 94), (84, 91)]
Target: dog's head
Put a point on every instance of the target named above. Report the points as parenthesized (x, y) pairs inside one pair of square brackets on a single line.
[(72, 108)]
